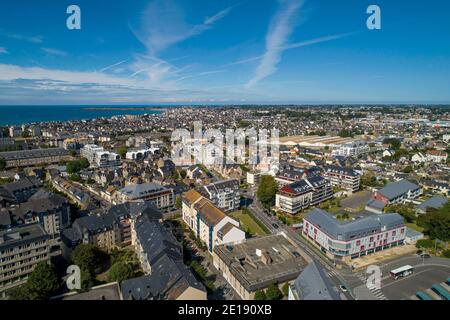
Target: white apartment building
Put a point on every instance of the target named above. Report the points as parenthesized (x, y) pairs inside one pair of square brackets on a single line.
[(223, 194), (351, 149), (302, 194), (209, 223), (355, 238), (140, 153), (345, 178), (99, 157)]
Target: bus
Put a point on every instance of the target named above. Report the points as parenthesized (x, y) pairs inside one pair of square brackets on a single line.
[(423, 296), (443, 294), (401, 272)]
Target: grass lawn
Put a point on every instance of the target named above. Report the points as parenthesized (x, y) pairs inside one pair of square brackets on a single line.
[(247, 223), (414, 226)]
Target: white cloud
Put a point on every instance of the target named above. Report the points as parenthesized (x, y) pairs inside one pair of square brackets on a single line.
[(32, 39), (164, 25), (280, 29), (54, 52), (113, 65)]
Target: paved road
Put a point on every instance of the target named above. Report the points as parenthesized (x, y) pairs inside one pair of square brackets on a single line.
[(426, 273), (338, 277)]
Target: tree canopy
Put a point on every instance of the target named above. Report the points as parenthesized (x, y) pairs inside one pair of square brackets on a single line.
[(120, 271), (76, 166), (267, 190), (273, 292), (41, 284)]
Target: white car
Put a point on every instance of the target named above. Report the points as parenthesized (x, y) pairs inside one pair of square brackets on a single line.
[(343, 288)]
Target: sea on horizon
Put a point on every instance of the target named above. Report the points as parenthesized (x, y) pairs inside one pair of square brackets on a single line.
[(18, 115)]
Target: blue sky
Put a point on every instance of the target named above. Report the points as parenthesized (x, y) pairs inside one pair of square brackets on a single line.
[(211, 51)]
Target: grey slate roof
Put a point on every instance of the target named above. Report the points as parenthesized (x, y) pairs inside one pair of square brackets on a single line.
[(347, 230), (376, 204), (34, 153), (341, 170), (395, 189), (156, 241), (169, 279), (140, 190), (314, 284), (435, 202)]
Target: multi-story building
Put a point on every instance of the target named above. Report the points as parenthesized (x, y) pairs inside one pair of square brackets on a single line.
[(223, 194), (140, 153), (99, 157), (437, 156), (209, 223), (256, 263), (50, 210), (302, 194), (346, 240), (21, 249), (163, 198), (15, 132), (397, 192), (18, 191), (26, 158), (161, 258), (345, 178), (351, 149)]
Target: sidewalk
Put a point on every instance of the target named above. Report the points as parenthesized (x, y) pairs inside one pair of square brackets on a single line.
[(380, 257)]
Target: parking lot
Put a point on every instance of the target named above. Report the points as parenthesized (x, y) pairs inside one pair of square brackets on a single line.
[(423, 278), (427, 271)]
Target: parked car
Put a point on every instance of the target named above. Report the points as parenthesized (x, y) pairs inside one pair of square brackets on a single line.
[(425, 255), (343, 288)]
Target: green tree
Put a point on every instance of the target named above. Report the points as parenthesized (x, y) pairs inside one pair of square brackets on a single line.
[(76, 166), (267, 190), (285, 289), (2, 164), (120, 271), (273, 292), (75, 177), (446, 253), (178, 202), (436, 224), (405, 210), (89, 258), (260, 295), (122, 151), (20, 293), (395, 144), (43, 281)]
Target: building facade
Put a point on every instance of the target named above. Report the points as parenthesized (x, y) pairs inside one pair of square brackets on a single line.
[(344, 178), (397, 192), (302, 194), (351, 149), (223, 194), (99, 157), (163, 198), (352, 239), (209, 223), (21, 249)]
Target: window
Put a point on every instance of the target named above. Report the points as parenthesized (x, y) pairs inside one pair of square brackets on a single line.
[(358, 242)]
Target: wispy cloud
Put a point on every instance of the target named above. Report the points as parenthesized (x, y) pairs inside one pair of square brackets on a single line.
[(294, 46), (54, 52), (113, 65), (164, 25), (280, 28), (3, 50), (32, 39)]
